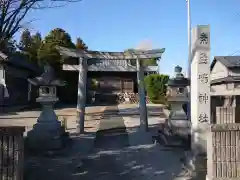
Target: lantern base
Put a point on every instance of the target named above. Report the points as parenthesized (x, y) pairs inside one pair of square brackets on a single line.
[(47, 133)]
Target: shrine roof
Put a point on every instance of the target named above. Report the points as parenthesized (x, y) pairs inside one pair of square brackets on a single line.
[(228, 61), (19, 61), (110, 65)]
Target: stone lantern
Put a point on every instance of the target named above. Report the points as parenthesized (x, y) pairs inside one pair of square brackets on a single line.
[(47, 132), (177, 98)]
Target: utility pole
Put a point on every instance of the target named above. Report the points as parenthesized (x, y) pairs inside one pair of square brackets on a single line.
[(189, 38), (189, 53)]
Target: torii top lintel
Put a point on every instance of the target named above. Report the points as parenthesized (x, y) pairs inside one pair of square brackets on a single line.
[(136, 54)]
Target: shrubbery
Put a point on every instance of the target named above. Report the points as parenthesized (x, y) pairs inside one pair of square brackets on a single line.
[(155, 85)]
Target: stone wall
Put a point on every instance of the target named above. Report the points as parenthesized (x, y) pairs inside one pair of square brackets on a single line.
[(11, 153)]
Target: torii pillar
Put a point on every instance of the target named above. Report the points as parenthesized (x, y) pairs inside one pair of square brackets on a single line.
[(84, 56), (142, 97), (81, 99)]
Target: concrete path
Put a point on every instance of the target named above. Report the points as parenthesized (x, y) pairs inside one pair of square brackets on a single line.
[(103, 163), (127, 153), (117, 151), (115, 157)]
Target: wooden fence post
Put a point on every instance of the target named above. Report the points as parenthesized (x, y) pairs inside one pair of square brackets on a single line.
[(11, 153)]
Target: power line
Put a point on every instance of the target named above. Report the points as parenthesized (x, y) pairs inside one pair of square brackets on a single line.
[(234, 53)]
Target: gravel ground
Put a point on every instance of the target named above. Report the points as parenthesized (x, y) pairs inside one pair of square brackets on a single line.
[(128, 154), (115, 158), (116, 154)]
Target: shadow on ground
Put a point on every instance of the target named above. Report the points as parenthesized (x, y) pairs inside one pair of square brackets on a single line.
[(117, 153), (115, 158), (111, 158)]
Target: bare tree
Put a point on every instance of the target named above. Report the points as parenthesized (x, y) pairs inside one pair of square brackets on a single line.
[(13, 12)]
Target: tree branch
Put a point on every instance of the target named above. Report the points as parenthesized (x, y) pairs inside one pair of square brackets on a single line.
[(13, 12)]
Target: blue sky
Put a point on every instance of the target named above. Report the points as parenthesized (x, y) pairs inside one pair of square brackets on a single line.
[(116, 25)]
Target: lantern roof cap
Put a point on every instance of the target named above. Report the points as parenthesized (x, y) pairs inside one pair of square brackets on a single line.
[(47, 78), (178, 79)]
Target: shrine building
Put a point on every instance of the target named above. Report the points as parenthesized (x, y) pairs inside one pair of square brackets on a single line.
[(111, 77)]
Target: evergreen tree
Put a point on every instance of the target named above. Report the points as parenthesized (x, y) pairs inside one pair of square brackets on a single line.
[(80, 44), (29, 45), (36, 42), (48, 52), (25, 41), (155, 85)]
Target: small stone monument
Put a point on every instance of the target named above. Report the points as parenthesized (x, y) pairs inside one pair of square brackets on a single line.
[(177, 98), (47, 132)]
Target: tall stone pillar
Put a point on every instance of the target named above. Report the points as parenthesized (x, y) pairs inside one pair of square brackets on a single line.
[(200, 94), (142, 98), (81, 102)]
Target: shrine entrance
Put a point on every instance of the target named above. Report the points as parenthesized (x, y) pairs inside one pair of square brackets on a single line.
[(108, 64), (106, 87)]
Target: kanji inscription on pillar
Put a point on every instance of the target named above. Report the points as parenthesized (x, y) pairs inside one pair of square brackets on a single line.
[(203, 98), (203, 75), (203, 38), (200, 78), (203, 78), (203, 118), (203, 59)]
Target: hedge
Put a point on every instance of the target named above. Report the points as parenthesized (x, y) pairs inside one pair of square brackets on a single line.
[(155, 85)]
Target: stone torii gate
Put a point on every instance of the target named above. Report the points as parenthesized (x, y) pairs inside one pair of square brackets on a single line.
[(84, 56)]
